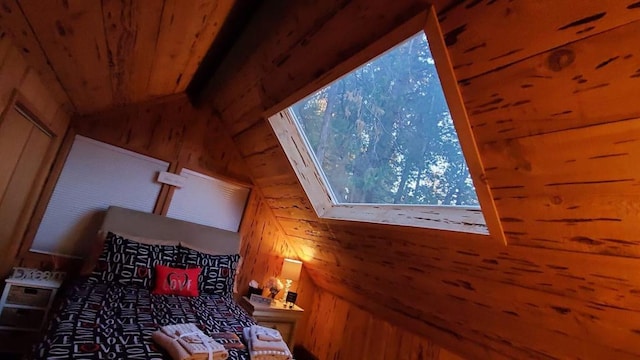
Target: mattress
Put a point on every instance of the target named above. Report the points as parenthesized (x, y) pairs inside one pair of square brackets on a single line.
[(111, 321)]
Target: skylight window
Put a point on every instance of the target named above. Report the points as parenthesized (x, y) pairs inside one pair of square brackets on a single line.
[(383, 134), (387, 141)]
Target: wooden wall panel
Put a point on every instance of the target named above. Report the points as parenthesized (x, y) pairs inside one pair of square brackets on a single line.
[(264, 247), (169, 129), (40, 98), (469, 293), (341, 330), (263, 243)]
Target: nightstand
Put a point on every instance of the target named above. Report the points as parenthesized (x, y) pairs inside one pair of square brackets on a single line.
[(275, 316), (27, 298)]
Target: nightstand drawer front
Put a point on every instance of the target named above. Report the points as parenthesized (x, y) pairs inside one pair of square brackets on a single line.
[(22, 318), (30, 296), (284, 328)]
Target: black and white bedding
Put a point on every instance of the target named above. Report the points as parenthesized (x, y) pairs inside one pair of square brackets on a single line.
[(112, 313), (114, 321)]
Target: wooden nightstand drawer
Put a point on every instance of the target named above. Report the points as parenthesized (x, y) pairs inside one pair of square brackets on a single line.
[(275, 316), (285, 329), (29, 296), (22, 318)]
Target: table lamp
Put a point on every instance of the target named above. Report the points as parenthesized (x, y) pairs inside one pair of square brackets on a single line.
[(290, 272)]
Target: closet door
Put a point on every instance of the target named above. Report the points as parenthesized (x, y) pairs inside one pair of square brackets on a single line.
[(24, 150), (95, 176)]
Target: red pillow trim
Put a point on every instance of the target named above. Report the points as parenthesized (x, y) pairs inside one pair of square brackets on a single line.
[(173, 281)]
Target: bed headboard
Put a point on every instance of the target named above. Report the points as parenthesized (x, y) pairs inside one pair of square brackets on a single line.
[(137, 223)]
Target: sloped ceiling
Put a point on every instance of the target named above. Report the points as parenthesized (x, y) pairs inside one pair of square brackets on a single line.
[(551, 90), (549, 87), (99, 54)]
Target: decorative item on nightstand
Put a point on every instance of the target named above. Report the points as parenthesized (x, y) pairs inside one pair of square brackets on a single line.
[(27, 298), (290, 272), (274, 285)]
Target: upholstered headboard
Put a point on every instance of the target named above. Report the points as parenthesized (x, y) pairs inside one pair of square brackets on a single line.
[(200, 237)]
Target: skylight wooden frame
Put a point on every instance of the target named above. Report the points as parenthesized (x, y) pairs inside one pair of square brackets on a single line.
[(452, 218)]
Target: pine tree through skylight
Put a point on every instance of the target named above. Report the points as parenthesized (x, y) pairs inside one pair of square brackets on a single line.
[(383, 133)]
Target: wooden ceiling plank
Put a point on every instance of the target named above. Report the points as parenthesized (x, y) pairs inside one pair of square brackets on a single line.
[(257, 138), (131, 29), (264, 40), (185, 32), (478, 42), (606, 280), (294, 208), (78, 53), (455, 336), (583, 198), (487, 292), (203, 40), (603, 165), (14, 24), (588, 82), (544, 315)]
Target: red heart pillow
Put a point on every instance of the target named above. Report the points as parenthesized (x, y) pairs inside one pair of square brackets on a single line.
[(172, 281)]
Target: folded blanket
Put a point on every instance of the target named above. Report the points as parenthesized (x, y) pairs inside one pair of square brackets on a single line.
[(266, 334), (187, 342), (257, 354), (228, 339), (258, 344)]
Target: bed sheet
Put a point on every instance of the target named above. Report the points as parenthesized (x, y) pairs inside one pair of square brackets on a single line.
[(110, 321)]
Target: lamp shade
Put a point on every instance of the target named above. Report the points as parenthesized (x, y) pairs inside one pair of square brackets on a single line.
[(291, 269)]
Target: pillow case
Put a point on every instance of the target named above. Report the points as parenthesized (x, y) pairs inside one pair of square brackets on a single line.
[(131, 263), (97, 247), (218, 271), (174, 281)]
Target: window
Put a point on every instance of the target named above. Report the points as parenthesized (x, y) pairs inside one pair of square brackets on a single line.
[(208, 201), (95, 176), (379, 143)]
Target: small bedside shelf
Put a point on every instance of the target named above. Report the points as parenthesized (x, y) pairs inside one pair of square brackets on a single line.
[(26, 300), (18, 306), (275, 316)]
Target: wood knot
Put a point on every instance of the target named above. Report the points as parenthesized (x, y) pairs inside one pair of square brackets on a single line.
[(560, 59), (556, 200)]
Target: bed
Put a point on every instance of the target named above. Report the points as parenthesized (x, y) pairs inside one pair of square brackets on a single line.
[(112, 312)]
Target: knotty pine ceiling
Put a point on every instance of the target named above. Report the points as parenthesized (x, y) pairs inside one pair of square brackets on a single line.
[(113, 52)]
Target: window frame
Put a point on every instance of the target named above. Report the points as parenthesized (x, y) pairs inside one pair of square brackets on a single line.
[(442, 217)]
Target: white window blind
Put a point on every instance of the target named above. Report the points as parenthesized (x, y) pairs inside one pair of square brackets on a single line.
[(95, 176), (208, 201)]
